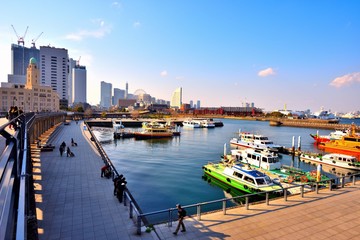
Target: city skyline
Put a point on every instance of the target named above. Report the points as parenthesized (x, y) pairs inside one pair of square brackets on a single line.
[(300, 53)]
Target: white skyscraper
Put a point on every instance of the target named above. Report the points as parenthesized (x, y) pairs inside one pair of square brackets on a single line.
[(106, 90), (54, 71), (72, 64), (198, 104), (176, 99), (79, 84)]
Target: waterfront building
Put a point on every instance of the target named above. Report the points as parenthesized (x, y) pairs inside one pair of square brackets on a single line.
[(105, 94), (176, 99), (54, 71), (78, 84), (125, 103), (118, 94), (30, 96)]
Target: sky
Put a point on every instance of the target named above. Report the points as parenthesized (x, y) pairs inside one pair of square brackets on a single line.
[(299, 54)]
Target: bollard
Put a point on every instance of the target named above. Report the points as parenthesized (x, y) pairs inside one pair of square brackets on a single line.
[(285, 195), (317, 187), (224, 207), (354, 180), (247, 203), (342, 182), (330, 185)]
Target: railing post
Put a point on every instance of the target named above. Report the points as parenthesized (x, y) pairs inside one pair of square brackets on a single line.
[(354, 179), (224, 207), (285, 195), (342, 182), (138, 225), (302, 190), (330, 185), (247, 203), (198, 211), (170, 218), (131, 210), (267, 198)]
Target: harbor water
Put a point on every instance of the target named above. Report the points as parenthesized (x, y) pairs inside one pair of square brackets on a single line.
[(162, 173)]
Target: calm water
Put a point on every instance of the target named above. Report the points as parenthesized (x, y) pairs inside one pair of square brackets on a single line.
[(161, 173)]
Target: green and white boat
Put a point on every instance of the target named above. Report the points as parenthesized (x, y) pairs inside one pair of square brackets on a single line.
[(241, 177)]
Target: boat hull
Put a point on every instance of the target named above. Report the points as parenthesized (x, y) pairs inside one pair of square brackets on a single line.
[(141, 135)]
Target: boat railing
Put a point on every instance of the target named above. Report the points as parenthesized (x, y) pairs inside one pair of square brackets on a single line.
[(203, 207)]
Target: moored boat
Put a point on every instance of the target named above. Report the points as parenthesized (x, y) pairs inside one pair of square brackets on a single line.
[(241, 177), (333, 159), (154, 130), (257, 141), (191, 123), (337, 134), (349, 143)]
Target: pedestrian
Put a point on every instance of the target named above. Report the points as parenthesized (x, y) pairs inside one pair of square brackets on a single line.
[(68, 152), (120, 191), (63, 144), (104, 170), (61, 149), (181, 215), (117, 181)]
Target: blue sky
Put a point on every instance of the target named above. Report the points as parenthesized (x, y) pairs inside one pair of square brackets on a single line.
[(302, 53)]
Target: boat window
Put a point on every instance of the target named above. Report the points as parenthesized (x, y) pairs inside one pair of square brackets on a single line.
[(260, 181), (264, 159), (248, 179), (249, 155), (239, 175), (253, 157)]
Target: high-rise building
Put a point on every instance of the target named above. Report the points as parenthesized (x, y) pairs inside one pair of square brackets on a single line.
[(54, 71), (198, 104), (30, 96), (71, 65), (126, 91), (191, 104), (118, 94), (105, 96), (79, 84), (176, 99)]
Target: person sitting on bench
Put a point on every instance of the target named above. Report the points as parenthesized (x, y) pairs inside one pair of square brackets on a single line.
[(73, 143)]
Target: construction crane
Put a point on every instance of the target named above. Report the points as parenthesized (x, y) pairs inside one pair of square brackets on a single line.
[(78, 62), (21, 39), (34, 40)]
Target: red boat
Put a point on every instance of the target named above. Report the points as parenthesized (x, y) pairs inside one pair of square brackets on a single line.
[(337, 134)]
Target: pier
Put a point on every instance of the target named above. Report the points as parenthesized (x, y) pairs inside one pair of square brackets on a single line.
[(74, 202)]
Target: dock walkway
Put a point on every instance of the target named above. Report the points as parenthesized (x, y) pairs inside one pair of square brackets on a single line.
[(75, 203)]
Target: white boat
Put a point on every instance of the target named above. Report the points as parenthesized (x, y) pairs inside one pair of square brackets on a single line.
[(263, 159), (333, 159), (191, 123), (250, 140), (207, 123)]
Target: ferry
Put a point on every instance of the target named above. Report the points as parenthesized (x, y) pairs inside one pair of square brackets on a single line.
[(349, 143), (241, 177), (250, 140), (333, 159), (269, 163), (191, 124), (119, 131), (154, 130)]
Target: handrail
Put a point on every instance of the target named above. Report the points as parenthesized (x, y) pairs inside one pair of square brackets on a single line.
[(315, 186)]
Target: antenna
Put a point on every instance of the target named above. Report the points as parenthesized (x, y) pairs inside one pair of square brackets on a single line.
[(78, 62), (21, 39), (34, 40)]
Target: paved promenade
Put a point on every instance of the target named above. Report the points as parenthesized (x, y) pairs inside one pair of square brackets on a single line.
[(75, 203)]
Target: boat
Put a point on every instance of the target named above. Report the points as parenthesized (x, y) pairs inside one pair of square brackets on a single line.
[(348, 144), (337, 134), (241, 177), (190, 123), (269, 162), (120, 132), (154, 130), (332, 159), (250, 140), (207, 123)]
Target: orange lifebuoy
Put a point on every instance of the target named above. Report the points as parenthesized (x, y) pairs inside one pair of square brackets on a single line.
[(304, 179)]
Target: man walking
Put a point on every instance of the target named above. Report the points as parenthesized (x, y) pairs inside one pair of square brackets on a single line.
[(181, 215)]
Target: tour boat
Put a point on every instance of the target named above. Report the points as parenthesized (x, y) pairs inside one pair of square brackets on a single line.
[(268, 162), (241, 177), (207, 123), (250, 140), (119, 131), (333, 159), (153, 130), (191, 123)]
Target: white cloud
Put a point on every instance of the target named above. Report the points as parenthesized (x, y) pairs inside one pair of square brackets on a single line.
[(116, 4), (97, 33), (346, 80), (163, 73), (266, 72), (136, 24)]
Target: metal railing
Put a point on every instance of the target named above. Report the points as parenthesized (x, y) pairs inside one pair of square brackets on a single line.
[(335, 182), (16, 187)]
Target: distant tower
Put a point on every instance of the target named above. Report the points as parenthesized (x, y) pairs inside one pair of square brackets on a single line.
[(79, 84), (106, 90), (198, 104), (176, 99), (126, 90), (191, 104)]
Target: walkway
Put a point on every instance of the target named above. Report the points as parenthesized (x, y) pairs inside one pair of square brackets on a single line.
[(73, 201)]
